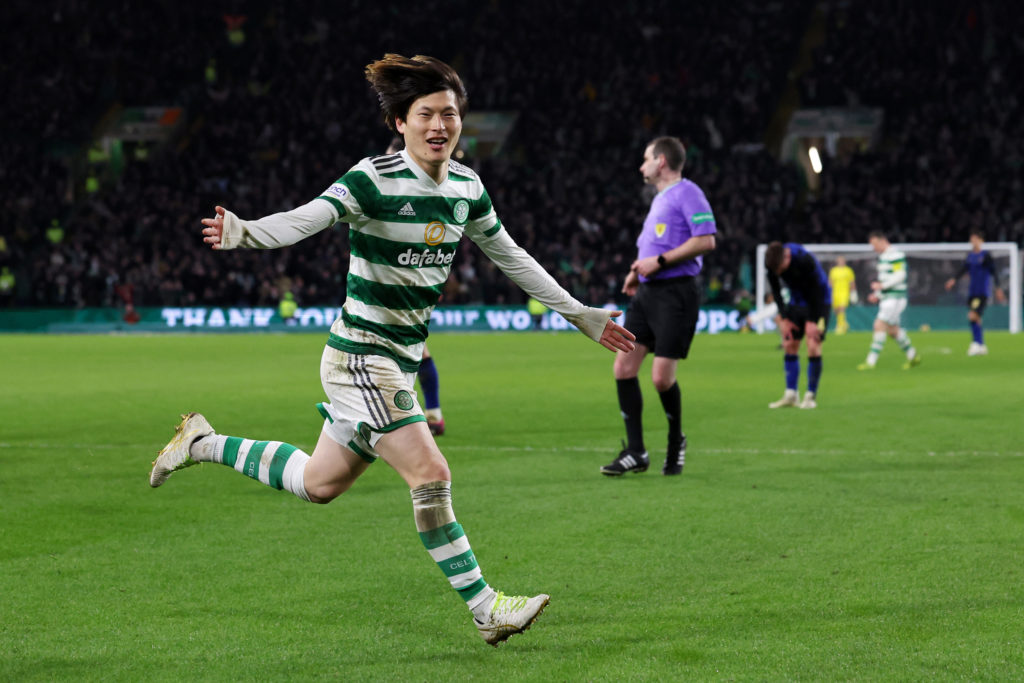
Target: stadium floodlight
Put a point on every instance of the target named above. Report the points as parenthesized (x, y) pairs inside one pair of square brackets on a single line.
[(929, 265), (815, 159)]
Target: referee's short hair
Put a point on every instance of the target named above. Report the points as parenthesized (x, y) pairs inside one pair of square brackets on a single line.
[(672, 148)]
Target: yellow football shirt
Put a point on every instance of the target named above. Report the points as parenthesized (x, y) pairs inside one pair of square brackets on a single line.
[(840, 277)]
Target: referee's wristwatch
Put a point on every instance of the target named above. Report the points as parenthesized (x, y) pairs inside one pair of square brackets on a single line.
[(661, 261)]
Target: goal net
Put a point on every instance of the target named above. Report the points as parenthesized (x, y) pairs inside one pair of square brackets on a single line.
[(929, 266)]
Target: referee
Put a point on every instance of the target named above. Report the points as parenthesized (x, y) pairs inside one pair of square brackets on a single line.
[(678, 230)]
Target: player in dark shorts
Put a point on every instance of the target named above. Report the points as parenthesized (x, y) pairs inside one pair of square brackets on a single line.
[(983, 278), (678, 230), (805, 316)]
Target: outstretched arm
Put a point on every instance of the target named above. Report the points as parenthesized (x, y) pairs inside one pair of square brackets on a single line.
[(227, 231), (522, 269)]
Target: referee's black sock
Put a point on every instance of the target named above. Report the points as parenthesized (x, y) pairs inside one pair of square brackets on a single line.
[(631, 404), (672, 402)]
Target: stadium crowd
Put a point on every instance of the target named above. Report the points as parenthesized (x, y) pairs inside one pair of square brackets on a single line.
[(950, 158), (277, 109)]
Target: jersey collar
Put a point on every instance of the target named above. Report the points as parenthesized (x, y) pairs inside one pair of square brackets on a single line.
[(420, 174)]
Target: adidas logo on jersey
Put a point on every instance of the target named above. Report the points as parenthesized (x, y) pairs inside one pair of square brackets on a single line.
[(406, 210)]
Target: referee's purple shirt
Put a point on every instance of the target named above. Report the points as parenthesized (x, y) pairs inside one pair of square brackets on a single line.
[(678, 212)]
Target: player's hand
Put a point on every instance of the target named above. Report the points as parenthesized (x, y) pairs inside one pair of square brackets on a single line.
[(629, 287), (597, 324), (873, 298), (950, 283), (646, 266), (214, 229), (876, 285), (616, 337)]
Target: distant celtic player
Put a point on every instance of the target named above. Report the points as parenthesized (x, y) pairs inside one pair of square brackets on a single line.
[(406, 214), (804, 316), (678, 230), (982, 278), (889, 291)]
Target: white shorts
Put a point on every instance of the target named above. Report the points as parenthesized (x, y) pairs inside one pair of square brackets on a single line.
[(369, 397), (890, 310)]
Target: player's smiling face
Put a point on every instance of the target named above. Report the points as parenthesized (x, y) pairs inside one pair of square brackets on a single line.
[(431, 131)]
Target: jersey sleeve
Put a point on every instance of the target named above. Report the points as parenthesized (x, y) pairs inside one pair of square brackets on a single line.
[(482, 221), (344, 195), (697, 213), (277, 230), (776, 287)]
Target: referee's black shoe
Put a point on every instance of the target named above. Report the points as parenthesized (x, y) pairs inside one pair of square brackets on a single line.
[(675, 459), (628, 461)]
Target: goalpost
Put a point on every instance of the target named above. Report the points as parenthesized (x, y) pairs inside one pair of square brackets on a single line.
[(929, 265)]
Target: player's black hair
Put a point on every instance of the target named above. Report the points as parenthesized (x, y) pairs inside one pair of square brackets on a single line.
[(399, 81), (977, 232), (672, 148), (877, 233), (773, 255), (397, 144)]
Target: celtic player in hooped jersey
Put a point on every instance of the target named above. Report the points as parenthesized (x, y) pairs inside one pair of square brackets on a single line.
[(889, 291), (406, 214)]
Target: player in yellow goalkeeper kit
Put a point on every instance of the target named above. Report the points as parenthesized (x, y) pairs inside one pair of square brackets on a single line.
[(844, 289)]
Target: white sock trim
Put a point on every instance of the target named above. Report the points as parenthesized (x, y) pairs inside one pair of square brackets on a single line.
[(208, 449), (293, 479), (481, 603)]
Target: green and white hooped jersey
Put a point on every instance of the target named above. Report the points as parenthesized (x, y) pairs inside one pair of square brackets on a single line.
[(404, 229), (892, 273)]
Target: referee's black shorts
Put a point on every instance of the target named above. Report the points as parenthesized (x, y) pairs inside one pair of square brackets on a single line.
[(663, 315)]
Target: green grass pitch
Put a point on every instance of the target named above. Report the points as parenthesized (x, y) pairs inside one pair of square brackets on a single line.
[(877, 537)]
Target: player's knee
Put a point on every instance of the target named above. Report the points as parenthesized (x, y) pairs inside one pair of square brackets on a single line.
[(623, 368), (791, 346), (663, 384), (428, 470), (427, 475), (323, 494)]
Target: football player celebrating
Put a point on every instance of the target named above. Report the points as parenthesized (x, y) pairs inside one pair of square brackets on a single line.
[(406, 214)]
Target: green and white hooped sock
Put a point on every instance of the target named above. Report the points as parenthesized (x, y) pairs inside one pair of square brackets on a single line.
[(904, 341), (877, 342), (447, 544), (276, 464)]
